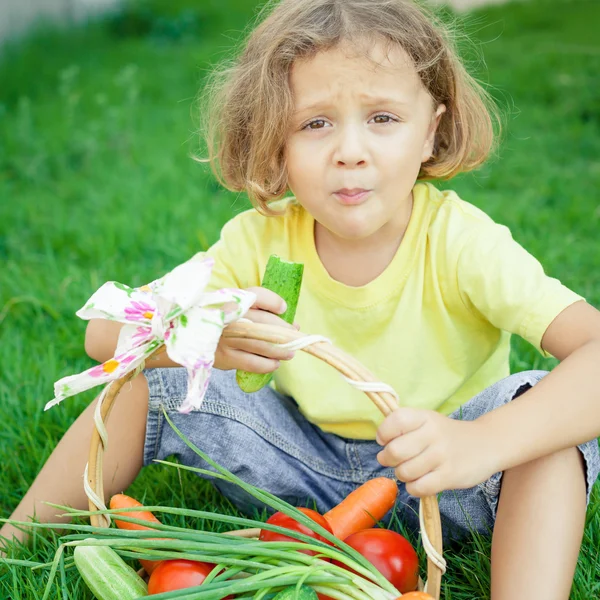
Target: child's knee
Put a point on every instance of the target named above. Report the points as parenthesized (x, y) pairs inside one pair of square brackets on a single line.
[(132, 400)]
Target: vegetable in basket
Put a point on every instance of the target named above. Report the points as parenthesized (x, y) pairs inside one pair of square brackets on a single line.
[(107, 575), (363, 507), (123, 501), (283, 278), (178, 574), (245, 566), (390, 553), (282, 520), (409, 596), (294, 593)]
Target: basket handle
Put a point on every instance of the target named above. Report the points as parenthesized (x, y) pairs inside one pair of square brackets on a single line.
[(344, 363)]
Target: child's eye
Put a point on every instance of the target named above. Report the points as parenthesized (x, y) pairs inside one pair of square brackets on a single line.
[(383, 119), (319, 124)]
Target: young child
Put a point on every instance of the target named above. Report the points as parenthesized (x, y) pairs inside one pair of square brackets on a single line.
[(351, 105)]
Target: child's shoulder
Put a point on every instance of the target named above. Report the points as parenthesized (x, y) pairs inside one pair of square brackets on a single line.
[(448, 207), (287, 214), (458, 232), (452, 218)]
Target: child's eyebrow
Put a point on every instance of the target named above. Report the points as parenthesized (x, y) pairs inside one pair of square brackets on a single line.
[(365, 98)]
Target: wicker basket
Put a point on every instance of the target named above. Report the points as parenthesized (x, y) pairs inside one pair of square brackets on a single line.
[(349, 367)]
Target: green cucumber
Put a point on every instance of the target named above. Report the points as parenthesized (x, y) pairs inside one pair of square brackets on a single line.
[(107, 575), (283, 278), (293, 593)]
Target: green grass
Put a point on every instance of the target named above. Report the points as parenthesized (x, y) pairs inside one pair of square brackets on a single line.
[(96, 184)]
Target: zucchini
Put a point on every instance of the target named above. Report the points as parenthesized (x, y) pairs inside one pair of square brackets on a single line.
[(107, 575), (293, 593), (284, 278)]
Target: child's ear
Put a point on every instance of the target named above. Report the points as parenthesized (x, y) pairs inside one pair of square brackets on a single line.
[(433, 125)]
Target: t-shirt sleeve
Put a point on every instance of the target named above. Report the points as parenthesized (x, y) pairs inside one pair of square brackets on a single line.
[(502, 282), (236, 262)]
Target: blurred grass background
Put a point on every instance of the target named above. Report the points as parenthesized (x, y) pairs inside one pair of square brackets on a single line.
[(97, 125)]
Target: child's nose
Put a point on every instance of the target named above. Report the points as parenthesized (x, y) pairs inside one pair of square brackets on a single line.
[(351, 148)]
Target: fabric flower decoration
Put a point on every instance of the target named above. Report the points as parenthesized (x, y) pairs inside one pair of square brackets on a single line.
[(174, 311)]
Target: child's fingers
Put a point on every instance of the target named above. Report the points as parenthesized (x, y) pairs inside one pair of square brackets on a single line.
[(400, 422), (416, 467), (244, 361), (429, 485), (402, 449), (267, 318), (260, 348), (268, 300)]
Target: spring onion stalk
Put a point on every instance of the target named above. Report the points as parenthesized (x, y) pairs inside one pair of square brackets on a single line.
[(199, 514), (211, 552), (283, 579), (312, 544), (153, 549), (213, 574), (227, 540), (199, 593), (187, 532)]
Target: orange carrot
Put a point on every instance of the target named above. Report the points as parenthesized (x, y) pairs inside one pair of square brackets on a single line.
[(363, 507), (123, 501)]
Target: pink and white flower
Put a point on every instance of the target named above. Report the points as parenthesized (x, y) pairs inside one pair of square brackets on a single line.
[(139, 311), (174, 310)]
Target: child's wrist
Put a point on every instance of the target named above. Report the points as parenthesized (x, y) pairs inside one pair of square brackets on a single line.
[(493, 444)]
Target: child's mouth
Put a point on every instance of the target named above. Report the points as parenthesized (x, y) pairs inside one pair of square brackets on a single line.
[(351, 197)]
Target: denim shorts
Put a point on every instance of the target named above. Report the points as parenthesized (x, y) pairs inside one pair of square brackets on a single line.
[(265, 440)]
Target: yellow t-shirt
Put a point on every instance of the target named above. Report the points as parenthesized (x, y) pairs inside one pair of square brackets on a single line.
[(435, 325)]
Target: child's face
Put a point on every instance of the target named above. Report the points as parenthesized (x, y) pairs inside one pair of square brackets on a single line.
[(358, 126)]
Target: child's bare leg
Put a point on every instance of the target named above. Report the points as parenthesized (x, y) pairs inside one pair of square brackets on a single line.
[(61, 478), (539, 528)]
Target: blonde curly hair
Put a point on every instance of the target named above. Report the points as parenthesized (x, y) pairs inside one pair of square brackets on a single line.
[(247, 102)]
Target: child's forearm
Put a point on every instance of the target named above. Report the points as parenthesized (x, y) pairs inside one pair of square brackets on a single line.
[(561, 411), (101, 338)]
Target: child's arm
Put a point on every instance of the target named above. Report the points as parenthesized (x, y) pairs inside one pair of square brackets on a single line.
[(432, 453), (563, 409), (101, 338)]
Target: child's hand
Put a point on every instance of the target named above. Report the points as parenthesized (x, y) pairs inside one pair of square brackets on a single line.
[(432, 453), (253, 355)]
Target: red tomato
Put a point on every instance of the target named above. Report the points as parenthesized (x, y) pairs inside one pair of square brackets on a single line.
[(417, 596), (390, 553), (282, 520), (178, 574)]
